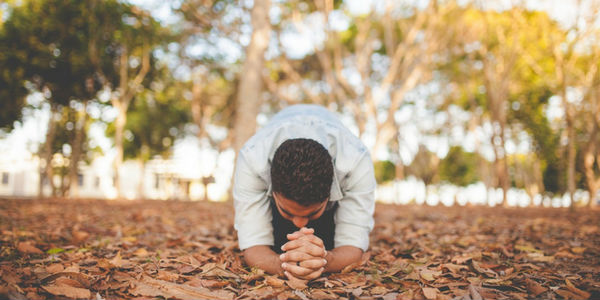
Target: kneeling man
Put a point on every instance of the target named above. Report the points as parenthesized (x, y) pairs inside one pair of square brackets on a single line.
[(303, 195)]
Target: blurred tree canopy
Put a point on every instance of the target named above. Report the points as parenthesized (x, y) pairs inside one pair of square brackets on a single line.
[(517, 85)]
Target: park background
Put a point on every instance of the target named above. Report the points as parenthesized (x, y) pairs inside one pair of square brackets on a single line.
[(482, 102), (107, 105)]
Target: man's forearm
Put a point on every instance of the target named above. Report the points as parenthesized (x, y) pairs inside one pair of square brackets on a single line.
[(341, 257), (264, 258)]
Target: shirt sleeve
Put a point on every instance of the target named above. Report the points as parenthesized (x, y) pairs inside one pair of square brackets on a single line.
[(252, 211), (354, 216)]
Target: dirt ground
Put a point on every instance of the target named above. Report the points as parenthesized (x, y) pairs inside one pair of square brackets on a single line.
[(97, 249)]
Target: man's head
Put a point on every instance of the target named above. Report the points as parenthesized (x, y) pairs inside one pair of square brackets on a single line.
[(301, 175), (302, 171)]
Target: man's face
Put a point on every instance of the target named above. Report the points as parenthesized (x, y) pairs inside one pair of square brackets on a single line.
[(298, 214)]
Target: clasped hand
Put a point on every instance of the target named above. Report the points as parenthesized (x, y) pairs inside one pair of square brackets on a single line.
[(304, 255)]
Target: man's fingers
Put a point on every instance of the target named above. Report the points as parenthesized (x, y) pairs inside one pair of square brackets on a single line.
[(300, 233), (313, 239), (314, 264), (304, 246), (310, 276), (307, 230), (297, 271), (294, 256)]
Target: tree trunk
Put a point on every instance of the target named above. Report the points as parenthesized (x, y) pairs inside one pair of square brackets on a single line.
[(571, 151), (77, 147), (48, 172), (119, 129), (249, 93)]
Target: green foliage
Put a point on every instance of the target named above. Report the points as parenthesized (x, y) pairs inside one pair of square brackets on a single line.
[(156, 118), (459, 167), (385, 171)]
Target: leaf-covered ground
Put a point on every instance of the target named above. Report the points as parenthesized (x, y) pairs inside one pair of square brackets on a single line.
[(187, 250)]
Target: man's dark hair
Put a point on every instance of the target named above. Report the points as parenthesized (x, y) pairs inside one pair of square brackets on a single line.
[(302, 171)]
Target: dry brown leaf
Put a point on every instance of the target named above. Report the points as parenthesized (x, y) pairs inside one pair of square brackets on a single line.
[(117, 261), (540, 257), (567, 294), (213, 270), (454, 268), (429, 275), (141, 252), (578, 250), (357, 292), (481, 270), (323, 295), (68, 291), (167, 276), (149, 287), (461, 259), (79, 236), (285, 295), (572, 288), (262, 293), (566, 254), (68, 281), (534, 288), (379, 290), (430, 293), (297, 284), (475, 295), (27, 247), (274, 281), (83, 279), (216, 284), (54, 268), (300, 294), (391, 296)]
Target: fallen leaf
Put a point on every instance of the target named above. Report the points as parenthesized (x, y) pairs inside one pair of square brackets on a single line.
[(454, 268), (390, 296), (484, 271), (117, 261), (566, 254), (572, 288), (83, 279), (301, 295), (297, 284), (79, 236), (578, 250), (540, 257), (430, 293), (141, 252), (379, 290), (55, 268), (475, 295), (212, 270), (166, 275), (357, 292), (429, 275), (324, 295), (26, 247), (68, 291), (208, 283), (534, 288), (567, 294), (527, 248), (149, 287), (274, 281), (461, 259)]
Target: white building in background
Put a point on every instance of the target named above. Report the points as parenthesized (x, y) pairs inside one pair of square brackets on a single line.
[(157, 179)]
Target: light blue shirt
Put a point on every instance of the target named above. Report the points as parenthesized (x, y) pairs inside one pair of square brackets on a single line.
[(353, 185)]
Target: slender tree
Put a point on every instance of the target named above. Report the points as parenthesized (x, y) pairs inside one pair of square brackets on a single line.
[(249, 95)]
